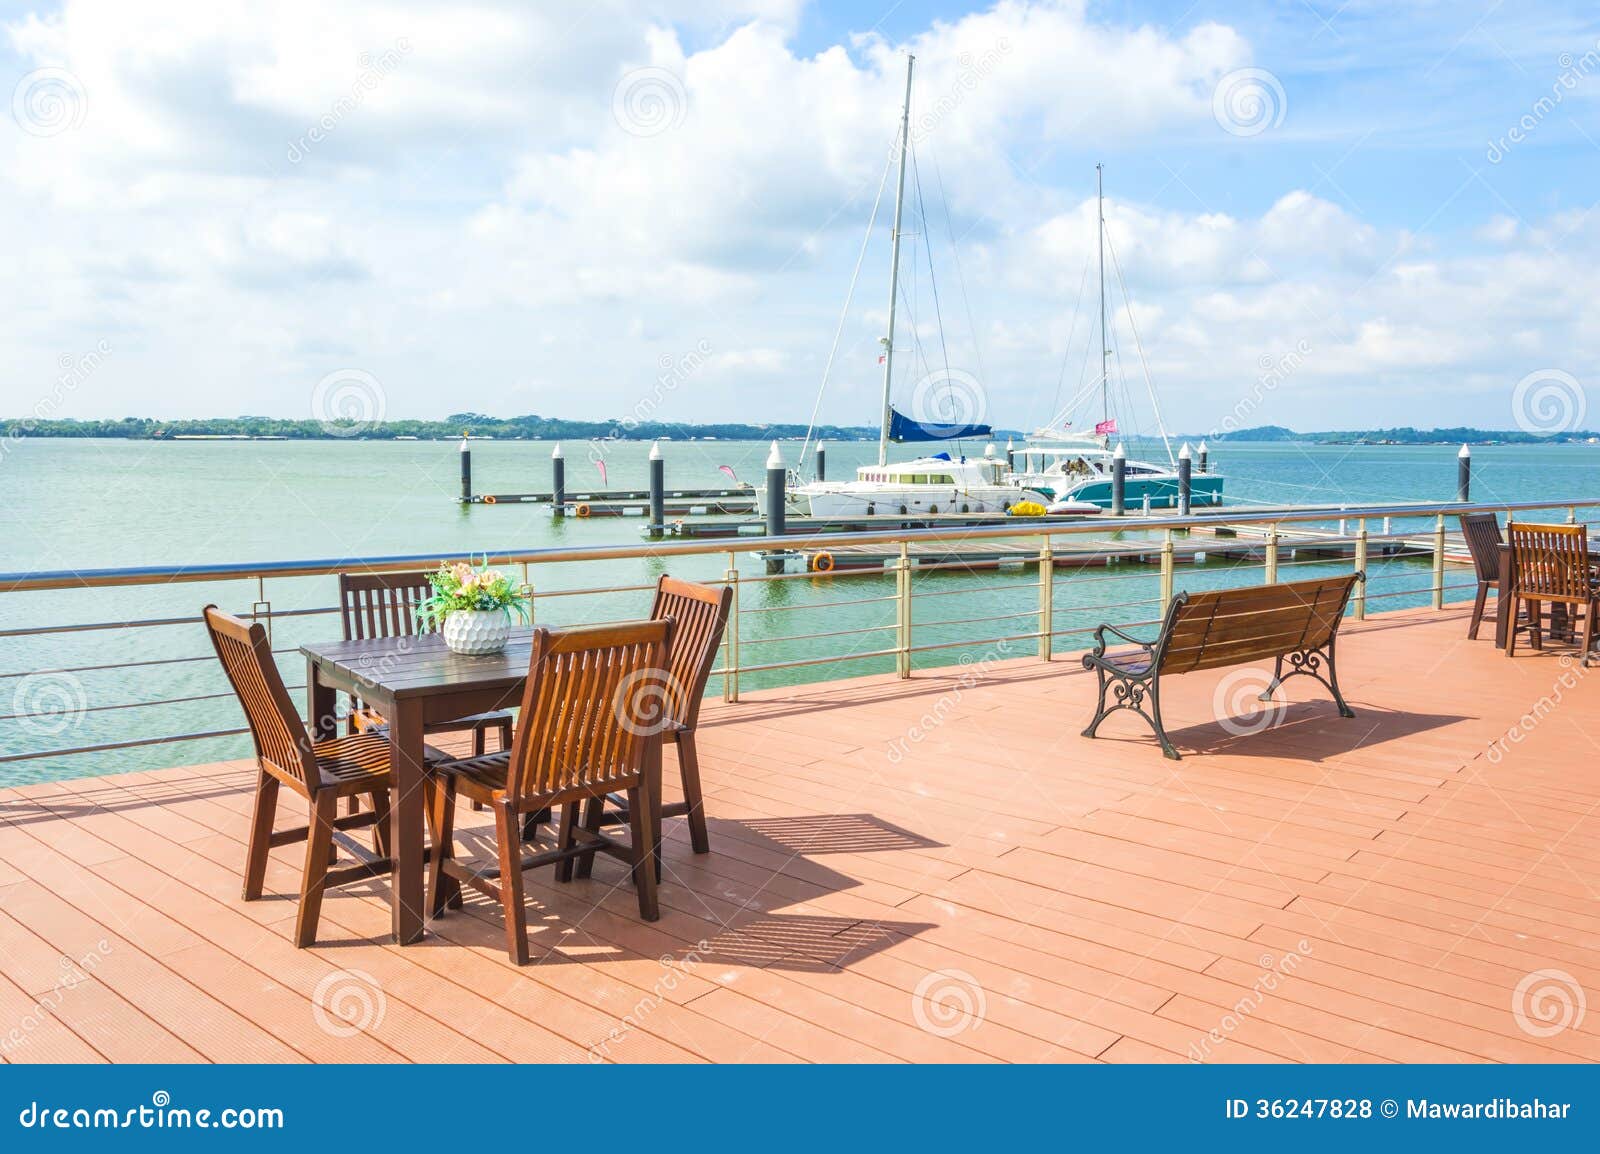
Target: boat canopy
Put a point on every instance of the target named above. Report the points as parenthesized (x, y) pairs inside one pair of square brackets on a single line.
[(902, 429)]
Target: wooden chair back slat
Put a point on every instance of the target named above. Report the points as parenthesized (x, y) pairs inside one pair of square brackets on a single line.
[(382, 604), (699, 614), (281, 740), (1481, 531), (1232, 626), (1552, 562), (593, 699)]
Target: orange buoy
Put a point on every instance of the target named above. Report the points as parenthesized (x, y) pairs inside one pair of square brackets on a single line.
[(822, 562), (582, 510), (490, 500)]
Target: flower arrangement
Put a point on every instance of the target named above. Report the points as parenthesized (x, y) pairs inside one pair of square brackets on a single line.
[(460, 586)]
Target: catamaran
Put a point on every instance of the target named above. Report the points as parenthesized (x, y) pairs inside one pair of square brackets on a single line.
[(940, 483), (1073, 470)]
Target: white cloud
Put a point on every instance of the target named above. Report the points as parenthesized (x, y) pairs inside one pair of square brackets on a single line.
[(472, 209)]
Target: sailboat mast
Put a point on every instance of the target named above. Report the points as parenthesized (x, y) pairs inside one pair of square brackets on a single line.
[(894, 266), (1105, 352)]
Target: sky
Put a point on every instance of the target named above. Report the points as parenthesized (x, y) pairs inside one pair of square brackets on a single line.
[(1319, 214)]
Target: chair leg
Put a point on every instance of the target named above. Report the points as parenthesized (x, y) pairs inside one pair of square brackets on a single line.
[(266, 807), (1511, 627), (689, 767), (1536, 625), (566, 838), (644, 857), (479, 742), (319, 843), (593, 815), (1478, 604), (381, 827), (439, 796), (1588, 635), (508, 836)]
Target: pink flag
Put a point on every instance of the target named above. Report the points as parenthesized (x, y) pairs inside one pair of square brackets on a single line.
[(601, 465), (1106, 426), (728, 469)]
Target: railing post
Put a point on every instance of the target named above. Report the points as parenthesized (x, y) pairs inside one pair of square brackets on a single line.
[(730, 664), (903, 612), (1438, 562), (1166, 569), (1572, 514), (1359, 595), (262, 609), (1270, 567), (1047, 596)]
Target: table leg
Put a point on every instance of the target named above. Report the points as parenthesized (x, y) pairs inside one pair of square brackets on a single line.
[(1504, 605), (405, 807), (320, 705)]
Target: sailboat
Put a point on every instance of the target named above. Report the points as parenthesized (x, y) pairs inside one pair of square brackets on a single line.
[(938, 483), (1073, 470)]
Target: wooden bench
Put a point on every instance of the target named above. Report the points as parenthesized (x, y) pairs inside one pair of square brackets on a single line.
[(1294, 623)]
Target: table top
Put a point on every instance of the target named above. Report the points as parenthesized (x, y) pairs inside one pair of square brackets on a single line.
[(421, 666)]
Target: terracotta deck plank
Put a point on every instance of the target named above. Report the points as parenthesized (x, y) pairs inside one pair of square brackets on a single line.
[(995, 888)]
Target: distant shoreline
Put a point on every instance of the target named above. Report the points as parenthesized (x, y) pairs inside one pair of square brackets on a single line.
[(533, 428)]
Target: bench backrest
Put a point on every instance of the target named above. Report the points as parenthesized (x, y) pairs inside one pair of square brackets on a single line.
[(1232, 626)]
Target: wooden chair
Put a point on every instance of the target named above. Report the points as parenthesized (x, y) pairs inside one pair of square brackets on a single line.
[(584, 731), (699, 614), (322, 772), (1552, 566), (1482, 534), (386, 605)]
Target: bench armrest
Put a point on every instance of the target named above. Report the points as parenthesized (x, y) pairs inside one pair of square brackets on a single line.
[(1100, 632)]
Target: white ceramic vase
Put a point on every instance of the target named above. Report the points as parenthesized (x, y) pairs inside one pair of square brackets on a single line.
[(476, 632)]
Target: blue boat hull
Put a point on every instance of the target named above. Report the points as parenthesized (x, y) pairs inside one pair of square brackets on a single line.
[(1204, 489)]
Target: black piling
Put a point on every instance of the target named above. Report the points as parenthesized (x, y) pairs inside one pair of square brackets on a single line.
[(822, 461), (466, 473), (658, 492), (1185, 466), (1204, 455), (1119, 482), (777, 475), (1464, 474), (558, 482)]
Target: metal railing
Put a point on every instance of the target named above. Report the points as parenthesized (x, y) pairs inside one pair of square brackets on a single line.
[(1137, 546)]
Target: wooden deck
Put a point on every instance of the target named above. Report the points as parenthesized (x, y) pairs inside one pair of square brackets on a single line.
[(932, 870)]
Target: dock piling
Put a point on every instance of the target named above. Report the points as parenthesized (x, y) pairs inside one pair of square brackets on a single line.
[(1119, 482), (466, 473), (822, 461), (1204, 454), (1185, 479), (658, 493), (558, 482), (776, 476), (1011, 456), (1464, 474)]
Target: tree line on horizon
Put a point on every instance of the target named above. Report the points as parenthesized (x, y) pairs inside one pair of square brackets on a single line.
[(537, 428)]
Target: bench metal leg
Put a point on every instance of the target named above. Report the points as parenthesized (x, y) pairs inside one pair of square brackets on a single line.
[(1130, 693), (1309, 663)]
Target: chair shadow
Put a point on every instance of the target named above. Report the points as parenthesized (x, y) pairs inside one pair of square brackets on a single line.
[(826, 833), (802, 943)]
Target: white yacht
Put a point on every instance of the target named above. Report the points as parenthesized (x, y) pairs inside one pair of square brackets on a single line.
[(1074, 470), (940, 483)]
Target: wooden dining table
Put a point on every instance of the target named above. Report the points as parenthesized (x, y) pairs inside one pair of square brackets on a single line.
[(1505, 602), (412, 681)]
